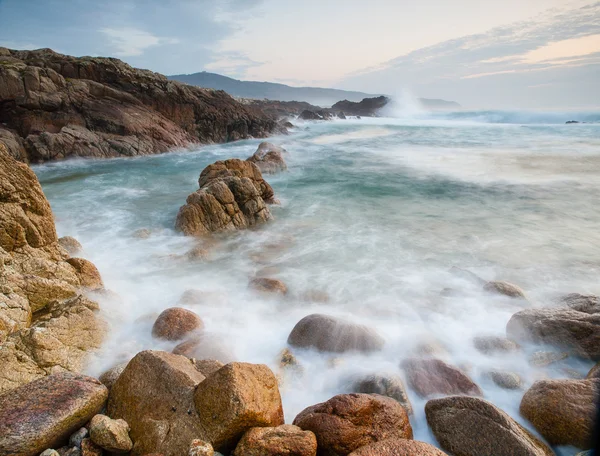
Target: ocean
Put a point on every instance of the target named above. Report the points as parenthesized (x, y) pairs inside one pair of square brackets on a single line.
[(376, 215)]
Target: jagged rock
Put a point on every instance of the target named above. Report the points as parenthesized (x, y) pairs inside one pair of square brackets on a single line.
[(368, 107), (111, 435), (201, 448), (385, 385), (64, 106), (309, 115), (286, 440), (494, 344), (89, 448), (398, 447), (429, 377), (341, 115), (234, 399), (347, 422), (269, 158), (155, 396), (326, 333), (469, 426), (70, 244), (88, 274), (45, 412), (267, 285), (232, 196), (176, 323), (594, 371), (504, 288), (563, 411)]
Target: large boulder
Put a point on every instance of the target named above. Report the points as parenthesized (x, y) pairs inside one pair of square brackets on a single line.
[(563, 411), (575, 327), (234, 399), (347, 422), (232, 196), (269, 158), (44, 413), (155, 396), (430, 377), (398, 447), (287, 439), (176, 323), (469, 426), (330, 334)]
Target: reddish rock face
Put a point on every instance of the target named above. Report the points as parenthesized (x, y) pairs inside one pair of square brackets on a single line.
[(563, 411), (55, 106), (176, 323), (286, 440), (44, 413), (398, 447), (429, 377), (349, 421)]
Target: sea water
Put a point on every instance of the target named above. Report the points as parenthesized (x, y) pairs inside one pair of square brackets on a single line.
[(376, 214)]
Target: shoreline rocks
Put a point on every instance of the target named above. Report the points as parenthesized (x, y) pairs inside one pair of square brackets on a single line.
[(429, 377), (269, 158)]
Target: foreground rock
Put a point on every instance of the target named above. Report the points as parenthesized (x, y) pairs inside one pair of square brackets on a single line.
[(269, 158), (288, 440), (575, 327), (398, 447), (44, 413), (59, 106), (176, 323), (232, 196), (429, 377), (111, 435), (234, 399), (468, 426), (563, 411), (330, 334), (349, 421), (385, 385)]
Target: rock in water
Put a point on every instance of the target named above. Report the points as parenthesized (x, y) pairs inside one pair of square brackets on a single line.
[(155, 396), (44, 413), (70, 244), (504, 288), (232, 196), (386, 385), (331, 334), (269, 158), (286, 440), (176, 323), (398, 447), (347, 422), (563, 411), (234, 399), (429, 377), (111, 435), (469, 426), (267, 285), (491, 345)]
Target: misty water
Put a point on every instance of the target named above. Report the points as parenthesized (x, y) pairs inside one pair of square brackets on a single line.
[(374, 213)]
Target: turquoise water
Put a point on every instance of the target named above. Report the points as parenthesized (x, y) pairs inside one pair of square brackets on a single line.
[(375, 213)]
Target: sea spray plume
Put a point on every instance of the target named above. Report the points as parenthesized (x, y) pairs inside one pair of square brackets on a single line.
[(403, 104)]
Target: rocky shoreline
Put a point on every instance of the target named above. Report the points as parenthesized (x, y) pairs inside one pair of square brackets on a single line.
[(179, 403)]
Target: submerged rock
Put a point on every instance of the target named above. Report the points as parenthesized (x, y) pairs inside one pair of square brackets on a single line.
[(44, 413), (268, 285), (469, 426), (506, 380), (385, 385), (504, 288), (70, 244), (429, 377), (269, 158), (330, 334), (490, 345), (286, 440), (347, 422)]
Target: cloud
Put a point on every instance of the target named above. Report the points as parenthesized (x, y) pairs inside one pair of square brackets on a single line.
[(234, 64), (129, 42)]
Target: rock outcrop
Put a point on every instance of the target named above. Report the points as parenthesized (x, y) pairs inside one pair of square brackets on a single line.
[(56, 106), (44, 413), (233, 195), (269, 158), (347, 422), (368, 107), (330, 334), (469, 426), (44, 320)]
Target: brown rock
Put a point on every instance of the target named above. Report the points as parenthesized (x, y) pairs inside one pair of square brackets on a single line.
[(155, 396), (44, 413), (504, 288), (594, 371), (207, 366), (269, 158), (198, 253), (88, 448), (331, 334), (347, 422), (201, 448), (70, 244), (176, 323), (109, 377), (111, 435), (494, 344), (469, 426), (266, 285), (237, 397), (398, 447), (385, 385), (88, 273), (563, 327), (286, 440), (563, 411), (429, 377), (205, 346), (545, 358)]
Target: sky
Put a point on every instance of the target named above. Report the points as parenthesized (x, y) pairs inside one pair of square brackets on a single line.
[(535, 54)]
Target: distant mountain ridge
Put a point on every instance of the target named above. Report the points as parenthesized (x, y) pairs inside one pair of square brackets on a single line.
[(274, 91)]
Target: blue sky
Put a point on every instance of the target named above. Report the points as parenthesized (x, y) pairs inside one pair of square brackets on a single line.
[(482, 53)]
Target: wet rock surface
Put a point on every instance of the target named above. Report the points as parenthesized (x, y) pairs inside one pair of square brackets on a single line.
[(286, 440), (398, 447), (429, 377), (269, 158)]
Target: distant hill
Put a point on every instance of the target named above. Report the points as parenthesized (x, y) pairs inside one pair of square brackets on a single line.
[(281, 92)]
